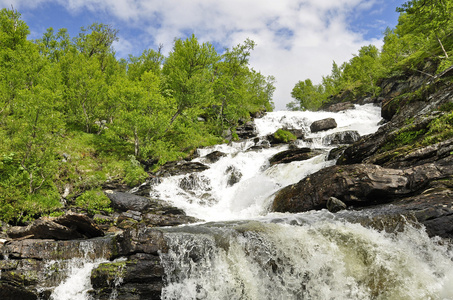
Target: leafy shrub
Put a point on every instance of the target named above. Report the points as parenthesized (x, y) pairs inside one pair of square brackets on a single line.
[(134, 173), (94, 201)]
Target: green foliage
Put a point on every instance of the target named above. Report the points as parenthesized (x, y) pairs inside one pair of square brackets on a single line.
[(134, 173), (72, 116), (440, 129), (94, 201), (284, 136)]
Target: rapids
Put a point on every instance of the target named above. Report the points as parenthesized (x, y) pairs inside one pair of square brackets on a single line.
[(241, 251), (209, 196)]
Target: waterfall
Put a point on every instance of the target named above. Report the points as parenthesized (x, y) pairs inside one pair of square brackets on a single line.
[(324, 259), (210, 195)]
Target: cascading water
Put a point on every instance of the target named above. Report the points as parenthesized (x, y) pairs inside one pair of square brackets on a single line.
[(245, 252), (212, 196), (328, 259)]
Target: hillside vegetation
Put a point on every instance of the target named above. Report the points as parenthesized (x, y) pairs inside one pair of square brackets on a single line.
[(73, 116), (424, 33)]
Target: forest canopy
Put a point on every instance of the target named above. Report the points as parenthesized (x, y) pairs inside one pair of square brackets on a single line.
[(73, 116)]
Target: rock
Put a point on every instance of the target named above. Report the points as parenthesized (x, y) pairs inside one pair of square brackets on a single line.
[(140, 277), (195, 182), (141, 239), (288, 156), (214, 156), (45, 249), (67, 227), (298, 133), (335, 153), (246, 131), (335, 205), (180, 168), (341, 138), (126, 201), (234, 177), (358, 185), (340, 106), (168, 220), (322, 125)]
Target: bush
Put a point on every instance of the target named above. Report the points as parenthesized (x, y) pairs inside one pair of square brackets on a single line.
[(134, 173), (94, 201), (284, 136)]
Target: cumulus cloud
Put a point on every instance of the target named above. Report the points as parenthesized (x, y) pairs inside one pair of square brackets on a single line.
[(296, 39)]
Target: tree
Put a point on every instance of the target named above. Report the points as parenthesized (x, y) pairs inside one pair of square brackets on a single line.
[(432, 18), (149, 61), (307, 95), (188, 72)]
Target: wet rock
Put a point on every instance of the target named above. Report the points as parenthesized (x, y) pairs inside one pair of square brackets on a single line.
[(67, 227), (335, 205), (335, 153), (126, 201), (180, 168), (195, 182), (168, 220), (322, 125), (234, 175), (141, 239), (340, 106), (358, 185), (214, 156), (298, 154), (140, 277), (341, 138), (246, 130), (45, 249)]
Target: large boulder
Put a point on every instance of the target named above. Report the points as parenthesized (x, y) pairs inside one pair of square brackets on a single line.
[(67, 227), (358, 185), (322, 125), (126, 201)]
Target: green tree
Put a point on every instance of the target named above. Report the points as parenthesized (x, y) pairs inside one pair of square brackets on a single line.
[(307, 96), (188, 72), (431, 18)]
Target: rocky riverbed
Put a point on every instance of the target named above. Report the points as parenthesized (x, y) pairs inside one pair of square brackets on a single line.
[(393, 184)]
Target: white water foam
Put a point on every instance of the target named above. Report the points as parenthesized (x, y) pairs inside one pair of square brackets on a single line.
[(328, 259), (211, 198)]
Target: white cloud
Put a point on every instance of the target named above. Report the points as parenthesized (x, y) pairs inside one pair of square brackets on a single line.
[(296, 39)]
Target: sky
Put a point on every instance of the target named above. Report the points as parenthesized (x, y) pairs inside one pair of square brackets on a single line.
[(296, 39)]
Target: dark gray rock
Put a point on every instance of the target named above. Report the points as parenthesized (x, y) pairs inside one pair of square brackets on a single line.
[(335, 205), (322, 125), (291, 155), (341, 138), (214, 156), (126, 201), (234, 175), (358, 185), (67, 227), (180, 168), (246, 130), (340, 106)]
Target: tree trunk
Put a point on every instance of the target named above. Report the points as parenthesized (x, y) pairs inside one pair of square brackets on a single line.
[(442, 46), (136, 143), (178, 112)]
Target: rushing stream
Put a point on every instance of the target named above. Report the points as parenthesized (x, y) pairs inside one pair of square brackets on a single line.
[(244, 252)]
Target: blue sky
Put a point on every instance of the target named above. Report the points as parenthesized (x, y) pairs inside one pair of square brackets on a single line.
[(296, 39)]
